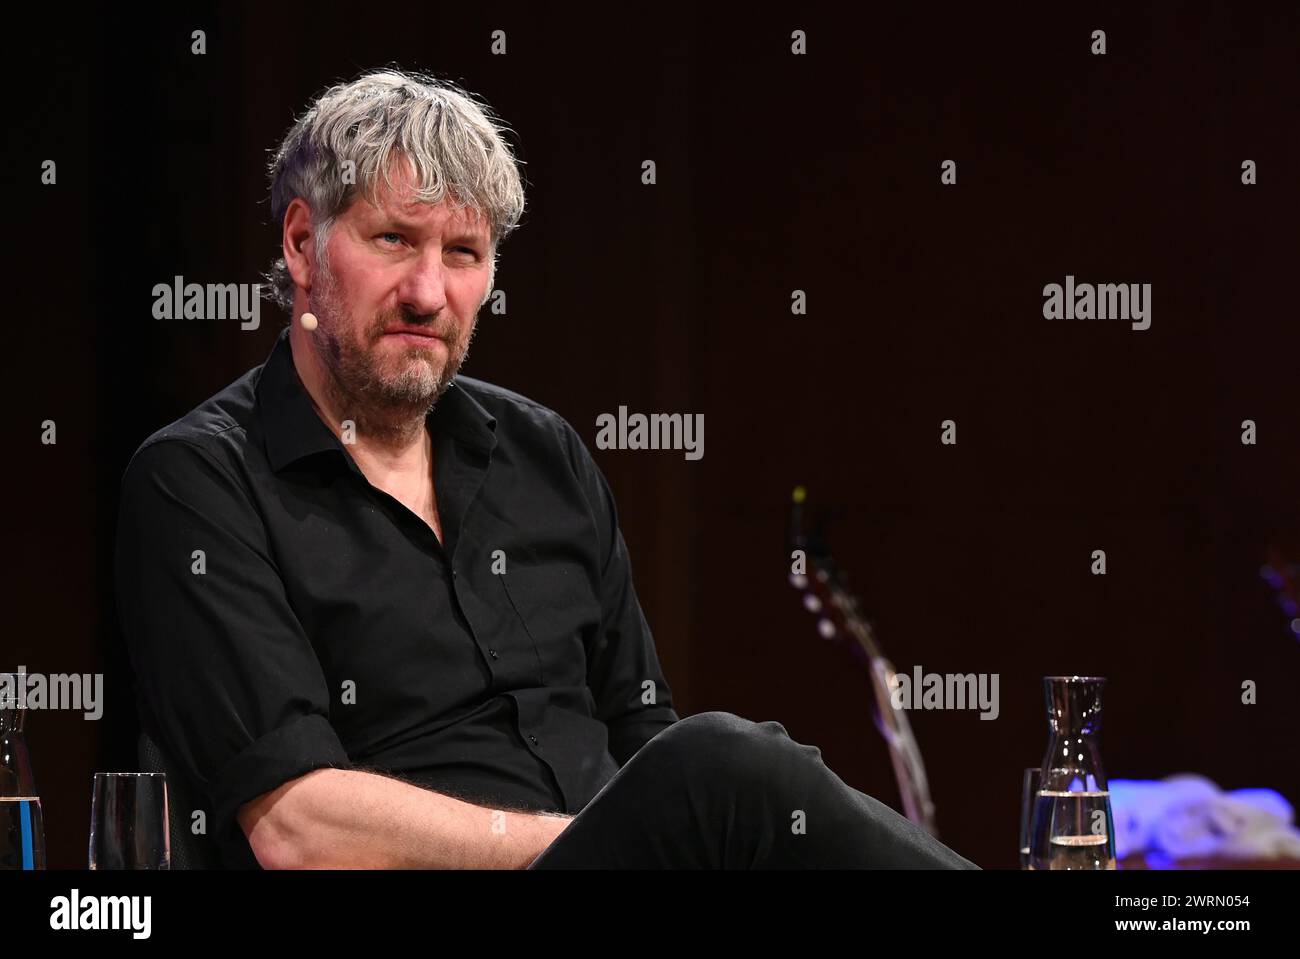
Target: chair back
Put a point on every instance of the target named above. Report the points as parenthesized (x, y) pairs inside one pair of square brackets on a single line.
[(188, 851)]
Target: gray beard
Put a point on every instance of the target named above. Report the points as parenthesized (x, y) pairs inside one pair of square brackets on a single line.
[(391, 408)]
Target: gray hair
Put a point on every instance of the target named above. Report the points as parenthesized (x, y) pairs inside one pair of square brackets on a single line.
[(452, 143)]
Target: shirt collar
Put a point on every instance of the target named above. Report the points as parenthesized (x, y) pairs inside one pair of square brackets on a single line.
[(293, 429)]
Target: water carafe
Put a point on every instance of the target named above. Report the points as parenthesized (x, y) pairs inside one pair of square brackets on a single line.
[(1072, 823), (22, 832)]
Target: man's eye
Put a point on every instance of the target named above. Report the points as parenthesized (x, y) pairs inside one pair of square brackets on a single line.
[(397, 237)]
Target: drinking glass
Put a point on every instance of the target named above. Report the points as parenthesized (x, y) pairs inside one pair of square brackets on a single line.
[(1028, 797), (128, 822)]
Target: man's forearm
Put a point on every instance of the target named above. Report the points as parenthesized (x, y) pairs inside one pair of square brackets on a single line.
[(346, 819)]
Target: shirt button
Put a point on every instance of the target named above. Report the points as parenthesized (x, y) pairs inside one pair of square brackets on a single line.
[(532, 739), (492, 653)]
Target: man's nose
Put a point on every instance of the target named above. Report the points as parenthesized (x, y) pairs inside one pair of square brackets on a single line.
[(423, 290)]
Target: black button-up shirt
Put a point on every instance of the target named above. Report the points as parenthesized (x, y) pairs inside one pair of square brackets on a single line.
[(282, 614)]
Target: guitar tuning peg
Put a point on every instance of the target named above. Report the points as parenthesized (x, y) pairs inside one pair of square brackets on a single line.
[(812, 603), (826, 628)]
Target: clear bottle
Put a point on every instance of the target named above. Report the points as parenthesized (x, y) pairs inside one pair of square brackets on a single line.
[(1073, 827), (22, 830)]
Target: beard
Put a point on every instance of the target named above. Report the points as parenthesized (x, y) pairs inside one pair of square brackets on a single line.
[(385, 387)]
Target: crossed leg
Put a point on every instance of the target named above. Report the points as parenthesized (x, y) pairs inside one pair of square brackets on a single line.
[(717, 791)]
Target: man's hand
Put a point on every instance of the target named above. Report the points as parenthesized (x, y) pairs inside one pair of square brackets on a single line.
[(346, 819)]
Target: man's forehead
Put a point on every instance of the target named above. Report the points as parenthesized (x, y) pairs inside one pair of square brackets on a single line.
[(399, 203)]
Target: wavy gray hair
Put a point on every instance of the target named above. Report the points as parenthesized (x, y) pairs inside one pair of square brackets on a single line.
[(452, 142)]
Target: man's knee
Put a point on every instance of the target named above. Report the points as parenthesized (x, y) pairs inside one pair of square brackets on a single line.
[(723, 744)]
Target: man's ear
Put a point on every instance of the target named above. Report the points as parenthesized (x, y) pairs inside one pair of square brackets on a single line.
[(299, 243)]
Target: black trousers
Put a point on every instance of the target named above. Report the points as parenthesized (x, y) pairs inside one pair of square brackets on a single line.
[(716, 791)]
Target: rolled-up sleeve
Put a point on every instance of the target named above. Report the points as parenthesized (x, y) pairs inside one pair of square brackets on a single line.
[(221, 661), (622, 660)]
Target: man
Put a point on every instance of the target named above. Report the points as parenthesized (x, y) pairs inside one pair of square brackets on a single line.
[(381, 614)]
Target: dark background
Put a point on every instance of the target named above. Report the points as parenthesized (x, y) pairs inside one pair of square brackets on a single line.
[(775, 173)]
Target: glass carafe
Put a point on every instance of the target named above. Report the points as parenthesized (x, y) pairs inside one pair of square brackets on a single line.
[(22, 832), (1072, 825)]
